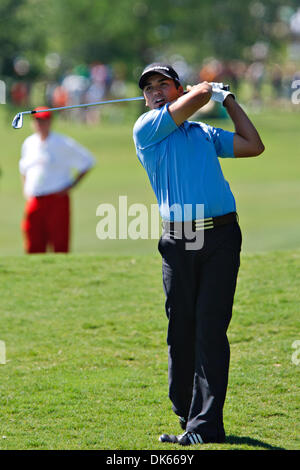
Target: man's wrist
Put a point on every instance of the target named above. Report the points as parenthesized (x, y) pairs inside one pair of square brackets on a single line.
[(229, 99)]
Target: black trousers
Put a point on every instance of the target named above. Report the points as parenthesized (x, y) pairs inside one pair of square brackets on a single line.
[(199, 286)]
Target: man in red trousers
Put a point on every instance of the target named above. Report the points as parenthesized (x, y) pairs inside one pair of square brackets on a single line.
[(50, 165)]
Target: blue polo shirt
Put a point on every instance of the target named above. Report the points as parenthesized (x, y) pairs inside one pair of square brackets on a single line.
[(182, 164)]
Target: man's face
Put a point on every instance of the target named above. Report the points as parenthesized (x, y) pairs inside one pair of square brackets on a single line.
[(160, 90), (42, 126)]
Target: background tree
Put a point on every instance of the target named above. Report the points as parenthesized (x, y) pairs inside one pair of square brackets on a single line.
[(140, 31)]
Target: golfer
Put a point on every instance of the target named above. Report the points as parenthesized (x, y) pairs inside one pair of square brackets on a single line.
[(50, 165), (181, 160)]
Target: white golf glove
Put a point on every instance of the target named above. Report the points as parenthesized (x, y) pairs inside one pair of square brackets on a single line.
[(218, 94)]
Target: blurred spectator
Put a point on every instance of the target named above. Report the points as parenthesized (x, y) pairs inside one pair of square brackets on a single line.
[(75, 86), (96, 91), (234, 72), (98, 81), (255, 74), (51, 165), (211, 71), (276, 77), (19, 93), (59, 97)]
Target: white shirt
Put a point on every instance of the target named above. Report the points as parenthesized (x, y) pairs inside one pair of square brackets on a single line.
[(52, 164)]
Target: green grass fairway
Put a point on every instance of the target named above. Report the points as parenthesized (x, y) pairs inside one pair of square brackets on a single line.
[(87, 358), (267, 188)]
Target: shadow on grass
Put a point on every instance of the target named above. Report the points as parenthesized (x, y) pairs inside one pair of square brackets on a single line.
[(250, 442)]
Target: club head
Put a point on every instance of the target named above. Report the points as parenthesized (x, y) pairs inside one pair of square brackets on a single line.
[(17, 122)]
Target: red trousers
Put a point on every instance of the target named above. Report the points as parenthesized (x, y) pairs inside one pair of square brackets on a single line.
[(46, 224)]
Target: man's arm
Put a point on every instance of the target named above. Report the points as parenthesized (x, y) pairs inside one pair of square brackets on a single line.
[(75, 182), (246, 142), (78, 178), (23, 178), (187, 104)]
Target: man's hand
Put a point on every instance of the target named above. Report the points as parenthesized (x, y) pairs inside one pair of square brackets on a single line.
[(218, 94), (72, 185), (203, 87)]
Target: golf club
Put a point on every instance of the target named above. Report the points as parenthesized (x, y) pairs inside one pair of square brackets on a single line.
[(17, 122)]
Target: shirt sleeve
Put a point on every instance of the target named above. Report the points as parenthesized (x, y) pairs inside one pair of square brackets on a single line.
[(80, 158), (223, 142), (153, 127)]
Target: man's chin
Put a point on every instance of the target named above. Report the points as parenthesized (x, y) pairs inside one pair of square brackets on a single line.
[(159, 105)]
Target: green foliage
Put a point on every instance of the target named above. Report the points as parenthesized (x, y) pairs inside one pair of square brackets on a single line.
[(22, 34), (138, 32)]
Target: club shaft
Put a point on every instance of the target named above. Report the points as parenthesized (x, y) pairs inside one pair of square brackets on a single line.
[(97, 103), (138, 98), (18, 119)]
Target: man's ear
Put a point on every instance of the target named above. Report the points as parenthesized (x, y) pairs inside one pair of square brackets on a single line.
[(146, 103), (180, 90)]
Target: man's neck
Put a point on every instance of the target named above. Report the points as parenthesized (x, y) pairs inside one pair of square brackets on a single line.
[(44, 136)]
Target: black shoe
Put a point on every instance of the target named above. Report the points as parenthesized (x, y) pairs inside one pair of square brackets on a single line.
[(168, 438), (190, 438), (182, 422), (186, 439)]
